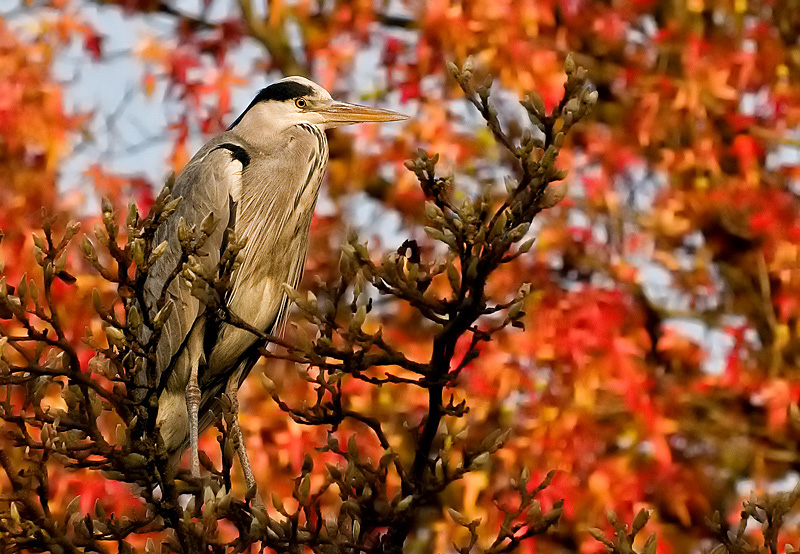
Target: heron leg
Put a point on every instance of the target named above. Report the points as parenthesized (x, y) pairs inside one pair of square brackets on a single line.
[(193, 405), (236, 432)]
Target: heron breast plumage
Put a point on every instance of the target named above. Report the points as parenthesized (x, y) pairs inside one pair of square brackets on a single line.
[(275, 234)]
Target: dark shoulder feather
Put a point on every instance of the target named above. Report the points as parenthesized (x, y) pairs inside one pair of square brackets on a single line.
[(238, 153)]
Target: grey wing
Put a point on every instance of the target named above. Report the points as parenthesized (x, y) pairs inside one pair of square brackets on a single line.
[(206, 186)]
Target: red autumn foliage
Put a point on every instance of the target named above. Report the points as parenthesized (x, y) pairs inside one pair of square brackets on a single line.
[(683, 215)]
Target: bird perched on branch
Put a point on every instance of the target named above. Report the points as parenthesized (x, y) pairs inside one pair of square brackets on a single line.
[(260, 179)]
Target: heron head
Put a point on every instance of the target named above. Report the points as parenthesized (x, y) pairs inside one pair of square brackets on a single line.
[(296, 100)]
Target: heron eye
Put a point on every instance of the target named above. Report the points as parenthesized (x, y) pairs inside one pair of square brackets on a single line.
[(300, 103)]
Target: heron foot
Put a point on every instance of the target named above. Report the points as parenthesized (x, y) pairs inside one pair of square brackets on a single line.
[(238, 441)]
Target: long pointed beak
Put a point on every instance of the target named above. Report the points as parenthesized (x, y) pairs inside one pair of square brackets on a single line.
[(343, 113)]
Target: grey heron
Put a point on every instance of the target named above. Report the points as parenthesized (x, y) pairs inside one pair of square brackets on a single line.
[(260, 178)]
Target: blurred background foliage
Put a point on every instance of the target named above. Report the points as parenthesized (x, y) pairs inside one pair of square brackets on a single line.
[(658, 367)]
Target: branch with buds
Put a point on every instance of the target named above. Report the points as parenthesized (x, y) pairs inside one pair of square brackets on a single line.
[(381, 502), (480, 235)]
